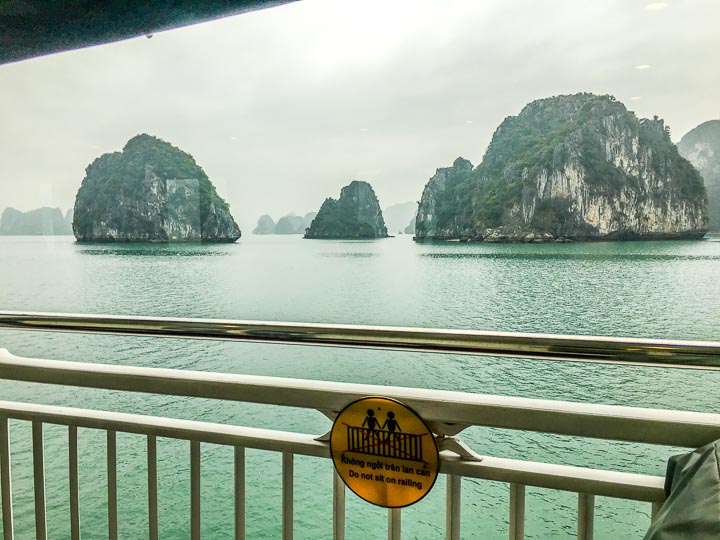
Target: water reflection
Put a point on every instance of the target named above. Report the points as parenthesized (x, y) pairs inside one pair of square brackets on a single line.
[(572, 256), (349, 255), (156, 250)]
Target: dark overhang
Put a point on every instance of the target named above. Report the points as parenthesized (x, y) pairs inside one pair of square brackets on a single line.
[(30, 28)]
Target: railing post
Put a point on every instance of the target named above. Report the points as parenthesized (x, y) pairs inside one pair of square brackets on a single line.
[(517, 512), (394, 528), (654, 510), (112, 484), (195, 490), (152, 487), (6, 484), (287, 496), (586, 516), (452, 507), (239, 493), (39, 480), (73, 473), (338, 507)]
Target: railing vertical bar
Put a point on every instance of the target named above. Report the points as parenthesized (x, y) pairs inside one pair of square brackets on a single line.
[(287, 496), (112, 484), (39, 480), (152, 487), (74, 483), (239, 493), (394, 529), (195, 490), (586, 516), (338, 507), (655, 509), (517, 512), (452, 507), (5, 482)]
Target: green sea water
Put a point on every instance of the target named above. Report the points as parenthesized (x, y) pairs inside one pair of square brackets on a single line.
[(647, 289)]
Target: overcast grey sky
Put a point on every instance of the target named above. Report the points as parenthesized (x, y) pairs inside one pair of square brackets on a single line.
[(283, 107)]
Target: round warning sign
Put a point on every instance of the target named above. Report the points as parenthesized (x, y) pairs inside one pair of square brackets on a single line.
[(384, 452)]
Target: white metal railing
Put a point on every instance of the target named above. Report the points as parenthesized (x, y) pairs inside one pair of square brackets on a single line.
[(448, 413), (587, 482)]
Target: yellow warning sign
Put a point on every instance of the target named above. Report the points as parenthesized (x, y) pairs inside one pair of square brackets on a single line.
[(384, 452)]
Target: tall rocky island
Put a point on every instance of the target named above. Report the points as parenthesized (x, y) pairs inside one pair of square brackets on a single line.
[(701, 146), (356, 214), (150, 192), (579, 167)]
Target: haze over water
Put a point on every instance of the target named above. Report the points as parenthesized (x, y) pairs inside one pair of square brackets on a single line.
[(645, 289)]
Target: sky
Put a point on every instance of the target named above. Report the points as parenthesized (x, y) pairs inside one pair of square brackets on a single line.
[(282, 107)]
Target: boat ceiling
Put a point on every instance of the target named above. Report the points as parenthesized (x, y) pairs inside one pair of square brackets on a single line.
[(30, 28)]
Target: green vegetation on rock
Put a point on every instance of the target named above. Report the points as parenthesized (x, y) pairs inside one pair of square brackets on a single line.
[(580, 166), (150, 192), (356, 214)]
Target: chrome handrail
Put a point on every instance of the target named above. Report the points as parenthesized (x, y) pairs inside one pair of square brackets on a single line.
[(615, 350)]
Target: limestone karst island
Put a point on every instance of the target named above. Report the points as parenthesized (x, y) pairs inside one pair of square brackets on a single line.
[(289, 224), (567, 168), (39, 222), (573, 167), (356, 214), (150, 192)]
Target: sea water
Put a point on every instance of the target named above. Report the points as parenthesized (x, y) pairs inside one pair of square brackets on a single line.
[(643, 289)]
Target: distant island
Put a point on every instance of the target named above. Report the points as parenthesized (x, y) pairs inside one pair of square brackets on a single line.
[(150, 192), (571, 167), (356, 214), (397, 217), (289, 224), (40, 222), (265, 225), (701, 146), (410, 229)]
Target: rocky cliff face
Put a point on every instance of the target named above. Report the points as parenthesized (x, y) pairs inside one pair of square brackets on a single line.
[(42, 221), (701, 146), (356, 214), (265, 225), (569, 167), (443, 194), (150, 192)]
